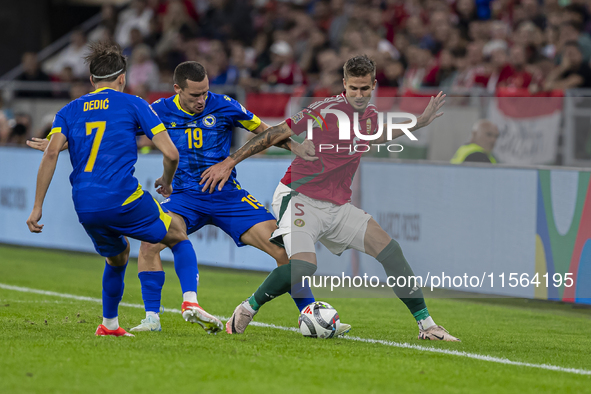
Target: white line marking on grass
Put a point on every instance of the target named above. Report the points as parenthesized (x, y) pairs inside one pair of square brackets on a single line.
[(11, 301), (475, 356), (74, 297)]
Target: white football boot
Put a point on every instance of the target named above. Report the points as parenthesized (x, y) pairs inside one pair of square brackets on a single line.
[(150, 323)]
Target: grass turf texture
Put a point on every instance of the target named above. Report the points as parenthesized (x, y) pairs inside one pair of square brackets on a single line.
[(48, 345)]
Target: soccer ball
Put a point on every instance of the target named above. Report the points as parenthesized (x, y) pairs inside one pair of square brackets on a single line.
[(319, 320)]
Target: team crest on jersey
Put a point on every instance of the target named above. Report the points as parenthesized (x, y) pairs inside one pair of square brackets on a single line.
[(172, 124), (299, 223), (297, 117), (209, 121)]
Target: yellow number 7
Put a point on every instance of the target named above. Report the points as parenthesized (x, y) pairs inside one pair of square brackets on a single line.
[(100, 130)]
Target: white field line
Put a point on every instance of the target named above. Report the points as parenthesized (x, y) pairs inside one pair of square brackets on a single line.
[(475, 356)]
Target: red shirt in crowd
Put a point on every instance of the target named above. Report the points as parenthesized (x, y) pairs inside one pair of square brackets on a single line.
[(287, 74)]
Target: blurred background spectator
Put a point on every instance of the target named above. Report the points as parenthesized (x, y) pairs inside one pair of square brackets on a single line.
[(283, 69), (21, 129), (72, 56), (136, 17), (142, 69), (32, 72), (266, 52), (4, 129), (572, 72), (270, 44), (479, 149)]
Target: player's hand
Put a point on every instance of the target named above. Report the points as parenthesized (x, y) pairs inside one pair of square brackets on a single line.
[(33, 221), (38, 143), (430, 113), (163, 188), (218, 173), (306, 150)]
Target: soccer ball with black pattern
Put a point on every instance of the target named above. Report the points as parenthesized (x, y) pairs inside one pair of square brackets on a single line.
[(319, 320)]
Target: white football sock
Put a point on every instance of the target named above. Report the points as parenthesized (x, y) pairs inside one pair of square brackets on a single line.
[(111, 324), (190, 296), (246, 304), (426, 323), (153, 314)]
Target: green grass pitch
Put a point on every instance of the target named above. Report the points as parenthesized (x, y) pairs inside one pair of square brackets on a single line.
[(47, 342)]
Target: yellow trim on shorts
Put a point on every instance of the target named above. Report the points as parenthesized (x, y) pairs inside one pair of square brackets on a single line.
[(252, 124), (136, 194), (166, 219), (158, 129), (53, 131)]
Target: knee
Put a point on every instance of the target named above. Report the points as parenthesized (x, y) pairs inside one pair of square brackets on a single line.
[(120, 260), (300, 269), (176, 232), (391, 249), (394, 246), (126, 251), (148, 249), (280, 257)]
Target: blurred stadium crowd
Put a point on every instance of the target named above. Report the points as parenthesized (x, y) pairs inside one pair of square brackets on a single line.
[(301, 45)]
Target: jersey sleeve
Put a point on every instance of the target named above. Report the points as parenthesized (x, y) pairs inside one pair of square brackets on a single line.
[(241, 117), (148, 121), (299, 123), (59, 125)]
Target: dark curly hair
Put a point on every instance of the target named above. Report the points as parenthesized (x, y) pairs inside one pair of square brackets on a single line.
[(359, 66)]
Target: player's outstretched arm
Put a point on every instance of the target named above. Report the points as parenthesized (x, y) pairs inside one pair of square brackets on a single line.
[(44, 176), (220, 172), (163, 142), (41, 144), (431, 112), (429, 115)]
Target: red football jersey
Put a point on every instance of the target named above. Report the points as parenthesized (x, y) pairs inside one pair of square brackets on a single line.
[(329, 178)]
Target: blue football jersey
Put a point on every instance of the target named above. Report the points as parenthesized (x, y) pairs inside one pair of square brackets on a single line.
[(101, 131), (203, 139)]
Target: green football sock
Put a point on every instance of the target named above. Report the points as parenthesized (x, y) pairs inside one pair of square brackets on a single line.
[(396, 265), (421, 315), (280, 281)]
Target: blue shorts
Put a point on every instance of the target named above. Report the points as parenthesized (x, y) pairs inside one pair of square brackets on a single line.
[(234, 211), (142, 219)]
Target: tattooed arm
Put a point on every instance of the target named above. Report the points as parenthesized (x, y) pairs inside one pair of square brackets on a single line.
[(285, 144), (220, 172), (305, 150), (271, 136)]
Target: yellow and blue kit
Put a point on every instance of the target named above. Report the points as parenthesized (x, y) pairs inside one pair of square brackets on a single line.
[(101, 129), (203, 140)]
